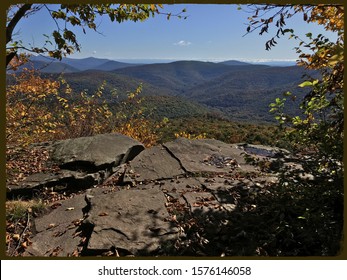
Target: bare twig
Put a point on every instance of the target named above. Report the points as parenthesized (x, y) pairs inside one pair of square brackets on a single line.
[(22, 235)]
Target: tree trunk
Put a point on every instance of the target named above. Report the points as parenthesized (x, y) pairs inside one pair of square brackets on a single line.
[(10, 27)]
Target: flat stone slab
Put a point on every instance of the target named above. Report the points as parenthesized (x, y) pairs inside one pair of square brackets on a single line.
[(95, 151), (264, 151), (131, 220), (180, 185), (155, 164), (207, 155), (39, 180), (62, 179), (57, 233)]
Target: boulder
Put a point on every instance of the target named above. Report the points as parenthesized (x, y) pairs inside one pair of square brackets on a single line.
[(95, 152), (84, 162)]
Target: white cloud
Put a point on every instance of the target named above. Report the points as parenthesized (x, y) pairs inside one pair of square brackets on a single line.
[(182, 43), (94, 52), (259, 60)]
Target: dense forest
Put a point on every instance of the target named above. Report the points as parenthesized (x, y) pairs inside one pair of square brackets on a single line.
[(241, 91)]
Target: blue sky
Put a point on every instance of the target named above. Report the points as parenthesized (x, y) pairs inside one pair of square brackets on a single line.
[(212, 32)]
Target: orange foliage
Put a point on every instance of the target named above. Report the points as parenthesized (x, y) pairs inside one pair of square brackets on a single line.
[(190, 136), (40, 109), (27, 119), (132, 121), (331, 17)]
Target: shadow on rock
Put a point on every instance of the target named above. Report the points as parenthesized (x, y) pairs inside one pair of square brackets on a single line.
[(279, 220)]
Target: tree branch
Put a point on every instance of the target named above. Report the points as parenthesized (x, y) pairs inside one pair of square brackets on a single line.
[(10, 56), (10, 27), (17, 17)]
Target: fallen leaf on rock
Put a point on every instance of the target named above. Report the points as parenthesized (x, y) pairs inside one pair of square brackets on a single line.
[(70, 209), (55, 205), (70, 226), (51, 226), (83, 240), (77, 222), (110, 253), (76, 253), (77, 234), (55, 251), (200, 204), (59, 233), (102, 214)]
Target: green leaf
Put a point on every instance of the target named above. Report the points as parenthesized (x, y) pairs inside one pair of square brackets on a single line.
[(315, 82), (306, 84)]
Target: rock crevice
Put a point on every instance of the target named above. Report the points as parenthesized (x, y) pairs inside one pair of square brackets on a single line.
[(136, 203)]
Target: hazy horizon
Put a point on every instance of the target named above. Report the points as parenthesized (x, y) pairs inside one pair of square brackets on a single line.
[(212, 32), (273, 62)]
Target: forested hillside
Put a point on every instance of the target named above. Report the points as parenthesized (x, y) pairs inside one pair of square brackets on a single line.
[(242, 91)]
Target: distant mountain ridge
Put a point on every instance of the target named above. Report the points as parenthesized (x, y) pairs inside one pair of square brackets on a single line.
[(240, 90), (180, 76), (49, 67), (76, 65), (235, 63), (69, 65)]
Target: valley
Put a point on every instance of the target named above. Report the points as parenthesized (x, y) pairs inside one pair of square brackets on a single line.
[(235, 90)]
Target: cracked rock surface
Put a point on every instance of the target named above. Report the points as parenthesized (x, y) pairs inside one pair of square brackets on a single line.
[(141, 201), (130, 220)]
